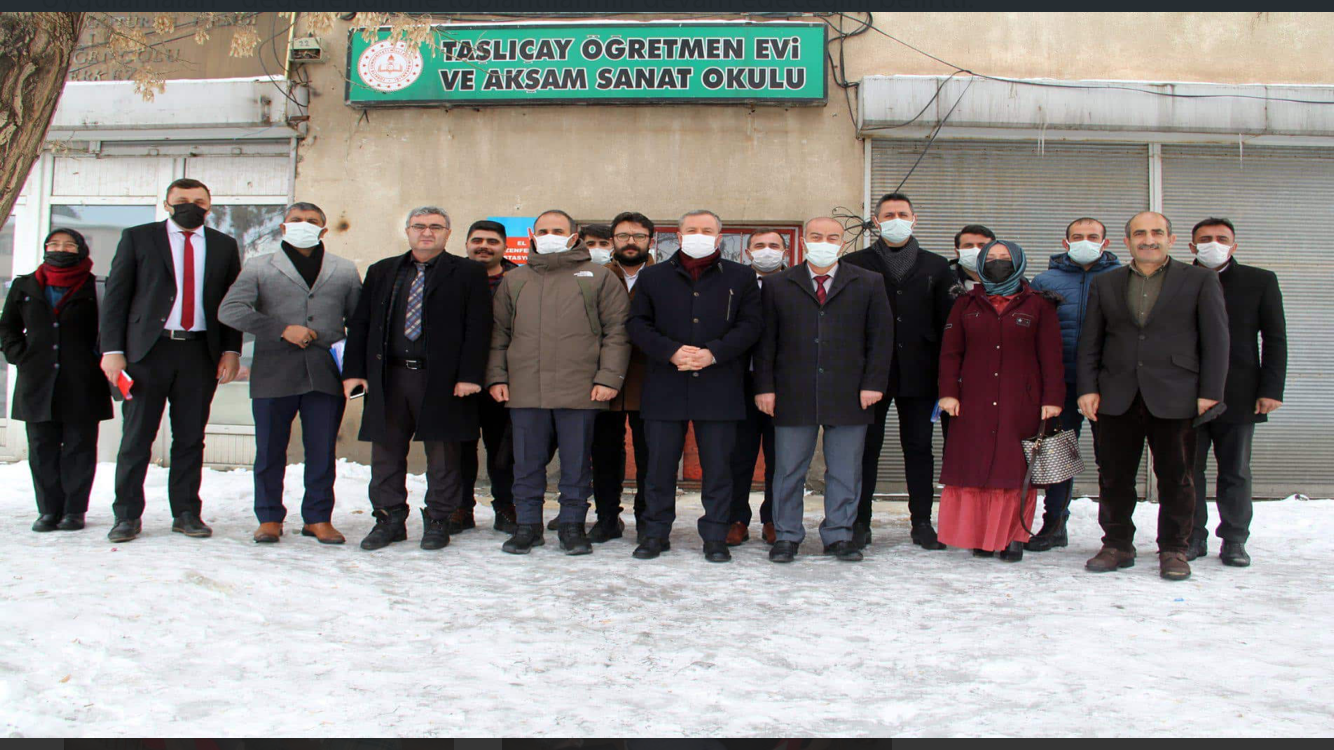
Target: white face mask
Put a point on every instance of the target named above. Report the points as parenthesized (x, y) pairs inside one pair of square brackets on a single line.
[(1085, 251), (698, 245), (895, 231), (968, 257), (301, 234), (766, 259), (1212, 254), (822, 254), (551, 243), (599, 255)]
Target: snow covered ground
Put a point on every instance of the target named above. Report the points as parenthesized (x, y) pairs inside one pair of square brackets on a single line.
[(169, 636)]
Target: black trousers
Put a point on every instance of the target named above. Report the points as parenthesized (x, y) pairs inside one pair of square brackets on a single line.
[(498, 436), (666, 443), (63, 458), (1120, 446), (404, 390), (919, 460), (609, 462), (182, 374), (753, 434), (1232, 454)]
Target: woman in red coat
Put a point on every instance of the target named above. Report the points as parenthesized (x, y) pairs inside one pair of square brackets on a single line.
[(1000, 376)]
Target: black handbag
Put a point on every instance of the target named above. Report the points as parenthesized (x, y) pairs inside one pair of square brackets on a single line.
[(1053, 457)]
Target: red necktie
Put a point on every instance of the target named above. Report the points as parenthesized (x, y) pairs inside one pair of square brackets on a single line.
[(819, 287), (188, 282)]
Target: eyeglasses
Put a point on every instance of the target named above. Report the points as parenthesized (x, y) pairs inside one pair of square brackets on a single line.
[(424, 227), (626, 236)]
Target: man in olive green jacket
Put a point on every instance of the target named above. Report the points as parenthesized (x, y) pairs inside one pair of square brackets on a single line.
[(559, 352)]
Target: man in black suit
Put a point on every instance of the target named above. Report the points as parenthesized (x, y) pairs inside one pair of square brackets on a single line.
[(695, 316), (160, 326), (1254, 389), (417, 344), (1152, 357), (918, 284)]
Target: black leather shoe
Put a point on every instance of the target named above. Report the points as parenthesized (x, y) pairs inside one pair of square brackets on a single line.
[(435, 533), (1198, 547), (924, 536), (983, 553), (46, 522), (1013, 552), (1234, 554), (783, 552), (554, 524), (526, 536), (717, 552), (125, 529), (606, 529), (459, 521), (190, 524), (651, 547), (71, 522), (505, 519), (574, 539), (861, 535), (1052, 534), (844, 551), (391, 525)]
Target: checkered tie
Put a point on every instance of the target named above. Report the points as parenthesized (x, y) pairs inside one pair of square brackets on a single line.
[(413, 326)]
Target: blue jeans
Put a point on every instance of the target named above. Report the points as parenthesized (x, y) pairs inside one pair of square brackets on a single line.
[(321, 414), (1058, 495)]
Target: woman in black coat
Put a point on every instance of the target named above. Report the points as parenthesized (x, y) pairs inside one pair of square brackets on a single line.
[(49, 331)]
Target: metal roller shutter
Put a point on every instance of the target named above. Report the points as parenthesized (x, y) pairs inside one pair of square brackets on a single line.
[(1023, 193), (1279, 199)]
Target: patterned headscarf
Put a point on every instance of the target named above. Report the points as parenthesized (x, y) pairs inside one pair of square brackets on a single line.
[(1003, 287)]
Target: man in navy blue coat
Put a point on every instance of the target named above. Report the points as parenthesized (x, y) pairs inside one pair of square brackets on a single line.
[(695, 317), (1070, 274)]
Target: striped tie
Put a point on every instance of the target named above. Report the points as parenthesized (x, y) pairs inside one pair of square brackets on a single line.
[(413, 327)]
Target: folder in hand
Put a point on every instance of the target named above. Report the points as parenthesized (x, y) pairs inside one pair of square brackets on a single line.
[(1210, 414), (122, 390)]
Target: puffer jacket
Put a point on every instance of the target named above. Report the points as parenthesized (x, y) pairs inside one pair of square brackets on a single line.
[(1069, 279), (546, 347)]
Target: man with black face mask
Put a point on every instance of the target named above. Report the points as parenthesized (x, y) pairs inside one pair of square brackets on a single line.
[(632, 243), (160, 327)]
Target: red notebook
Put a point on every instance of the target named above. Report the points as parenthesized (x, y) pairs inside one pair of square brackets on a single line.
[(123, 385)]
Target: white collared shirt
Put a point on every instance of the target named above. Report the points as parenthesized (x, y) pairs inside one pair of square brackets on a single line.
[(631, 279), (176, 237), (829, 283)]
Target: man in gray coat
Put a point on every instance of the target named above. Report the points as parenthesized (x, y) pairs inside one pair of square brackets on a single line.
[(823, 361), (296, 303)]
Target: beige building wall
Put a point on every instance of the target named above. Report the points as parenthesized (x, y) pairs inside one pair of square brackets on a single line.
[(367, 168)]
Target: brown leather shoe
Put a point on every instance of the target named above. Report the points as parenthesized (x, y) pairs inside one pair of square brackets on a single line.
[(1173, 566), (769, 534), (324, 533), (737, 533), (1109, 559), (268, 533)]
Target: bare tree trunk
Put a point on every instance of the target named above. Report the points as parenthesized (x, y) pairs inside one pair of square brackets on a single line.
[(35, 52)]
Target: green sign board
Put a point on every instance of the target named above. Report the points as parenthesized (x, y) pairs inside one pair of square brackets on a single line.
[(616, 63)]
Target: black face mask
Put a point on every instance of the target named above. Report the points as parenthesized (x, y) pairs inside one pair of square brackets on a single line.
[(998, 270), (188, 215), (60, 259), (639, 257)]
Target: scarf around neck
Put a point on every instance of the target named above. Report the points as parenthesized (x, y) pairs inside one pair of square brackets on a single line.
[(70, 279)]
